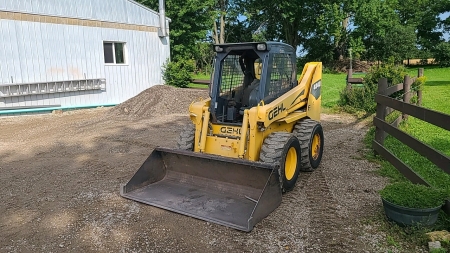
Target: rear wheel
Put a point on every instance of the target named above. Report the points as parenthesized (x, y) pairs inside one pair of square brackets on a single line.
[(310, 134), (186, 139), (283, 148)]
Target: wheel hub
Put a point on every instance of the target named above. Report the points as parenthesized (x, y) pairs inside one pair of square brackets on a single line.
[(315, 147), (290, 164)]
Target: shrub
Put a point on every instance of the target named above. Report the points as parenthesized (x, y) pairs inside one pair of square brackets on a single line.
[(363, 98), (178, 73), (442, 54), (418, 83), (411, 195), (357, 99)]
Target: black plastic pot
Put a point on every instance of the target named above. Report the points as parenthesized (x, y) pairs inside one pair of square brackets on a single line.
[(410, 216)]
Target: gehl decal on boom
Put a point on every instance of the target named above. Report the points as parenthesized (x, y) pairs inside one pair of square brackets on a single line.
[(275, 111)]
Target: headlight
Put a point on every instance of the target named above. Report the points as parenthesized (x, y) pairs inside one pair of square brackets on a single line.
[(261, 47)]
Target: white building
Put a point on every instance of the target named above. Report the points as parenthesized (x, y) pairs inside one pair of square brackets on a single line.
[(84, 53)]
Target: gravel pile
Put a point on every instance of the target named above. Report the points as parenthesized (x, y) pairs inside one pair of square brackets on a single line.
[(158, 100)]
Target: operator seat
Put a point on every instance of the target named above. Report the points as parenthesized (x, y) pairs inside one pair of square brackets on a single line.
[(250, 97)]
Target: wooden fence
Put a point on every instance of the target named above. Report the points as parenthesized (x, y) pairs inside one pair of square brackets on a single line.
[(385, 106)]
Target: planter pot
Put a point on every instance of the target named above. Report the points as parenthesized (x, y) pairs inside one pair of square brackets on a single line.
[(410, 216)]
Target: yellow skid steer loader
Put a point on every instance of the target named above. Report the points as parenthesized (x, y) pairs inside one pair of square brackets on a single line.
[(247, 142)]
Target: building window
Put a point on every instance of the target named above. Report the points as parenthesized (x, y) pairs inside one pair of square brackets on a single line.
[(114, 52)]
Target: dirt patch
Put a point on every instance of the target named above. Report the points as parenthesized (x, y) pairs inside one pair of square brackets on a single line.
[(60, 177), (158, 100)]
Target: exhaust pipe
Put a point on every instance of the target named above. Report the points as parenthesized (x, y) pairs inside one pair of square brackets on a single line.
[(162, 32)]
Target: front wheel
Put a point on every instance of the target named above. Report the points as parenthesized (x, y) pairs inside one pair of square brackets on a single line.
[(186, 139), (310, 134), (285, 149)]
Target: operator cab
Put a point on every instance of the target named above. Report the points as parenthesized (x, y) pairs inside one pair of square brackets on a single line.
[(246, 74)]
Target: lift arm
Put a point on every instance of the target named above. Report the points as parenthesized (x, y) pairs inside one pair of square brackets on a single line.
[(306, 96)]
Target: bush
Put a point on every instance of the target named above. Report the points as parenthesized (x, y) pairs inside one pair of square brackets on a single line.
[(178, 73), (411, 195), (363, 98), (418, 83), (357, 99), (442, 54)]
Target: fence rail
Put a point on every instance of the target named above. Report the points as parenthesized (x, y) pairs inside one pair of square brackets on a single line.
[(385, 106), (353, 80), (201, 81)]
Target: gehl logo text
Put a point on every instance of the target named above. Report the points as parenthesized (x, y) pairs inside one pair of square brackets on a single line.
[(230, 130), (275, 111), (317, 85)]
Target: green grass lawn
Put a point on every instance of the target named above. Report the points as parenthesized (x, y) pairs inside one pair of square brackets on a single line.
[(332, 85), (201, 76), (198, 86)]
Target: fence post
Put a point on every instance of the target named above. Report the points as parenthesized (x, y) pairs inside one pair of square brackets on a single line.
[(420, 72), (419, 97), (349, 75), (407, 81), (381, 111), (419, 91)]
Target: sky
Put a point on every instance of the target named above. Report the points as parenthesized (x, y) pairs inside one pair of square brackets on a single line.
[(444, 16)]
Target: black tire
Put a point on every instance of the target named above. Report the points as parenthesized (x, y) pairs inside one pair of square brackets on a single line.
[(186, 139), (310, 134), (283, 148)]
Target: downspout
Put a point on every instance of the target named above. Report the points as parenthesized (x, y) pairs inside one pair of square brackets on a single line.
[(162, 32)]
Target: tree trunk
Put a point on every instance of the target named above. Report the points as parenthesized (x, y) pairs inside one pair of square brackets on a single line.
[(216, 35), (222, 27), (291, 34), (341, 44)]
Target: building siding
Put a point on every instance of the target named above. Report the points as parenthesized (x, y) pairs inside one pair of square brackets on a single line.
[(120, 11), (36, 48)]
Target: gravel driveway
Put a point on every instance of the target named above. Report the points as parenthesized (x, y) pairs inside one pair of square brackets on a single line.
[(60, 177)]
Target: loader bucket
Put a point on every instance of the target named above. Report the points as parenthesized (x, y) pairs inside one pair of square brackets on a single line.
[(231, 192)]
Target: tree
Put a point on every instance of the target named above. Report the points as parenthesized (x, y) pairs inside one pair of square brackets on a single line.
[(320, 28), (423, 15), (221, 9), (382, 30), (329, 40), (190, 23), (204, 57), (445, 8), (442, 54), (323, 30), (288, 21), (229, 25), (400, 43)]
